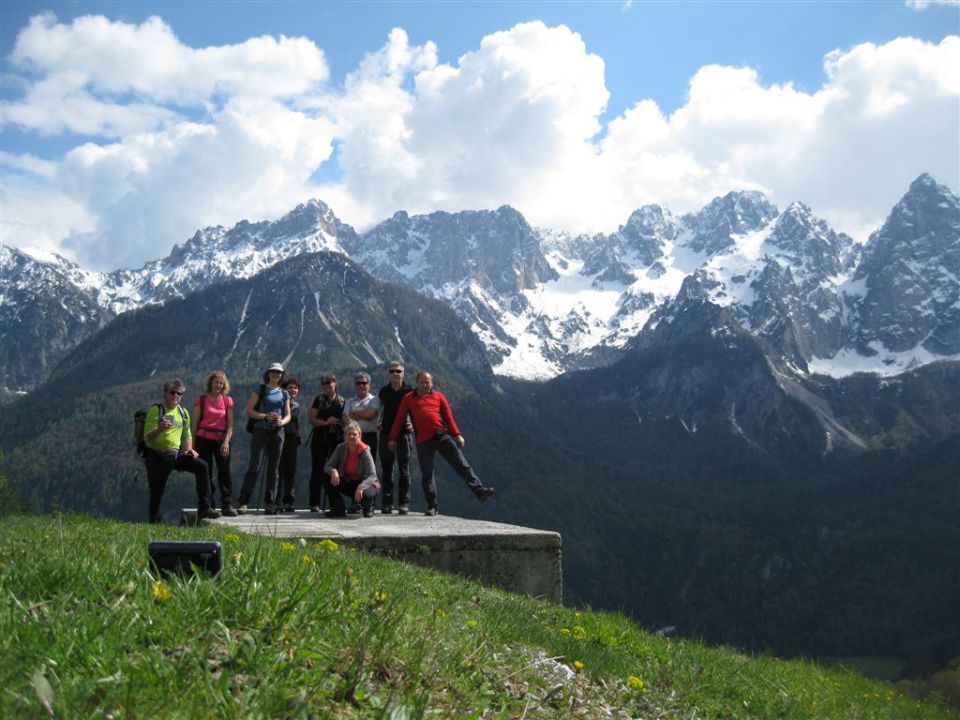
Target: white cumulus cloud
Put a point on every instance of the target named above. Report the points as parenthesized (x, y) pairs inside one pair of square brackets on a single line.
[(883, 115), (176, 137), (169, 138), (511, 122), (924, 4)]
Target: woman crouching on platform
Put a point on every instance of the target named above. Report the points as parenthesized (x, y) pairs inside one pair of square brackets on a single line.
[(212, 430), (351, 471)]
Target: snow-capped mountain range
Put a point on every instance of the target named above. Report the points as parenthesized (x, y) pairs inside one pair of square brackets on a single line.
[(544, 301)]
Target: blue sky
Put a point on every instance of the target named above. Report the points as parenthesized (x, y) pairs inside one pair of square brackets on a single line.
[(564, 107)]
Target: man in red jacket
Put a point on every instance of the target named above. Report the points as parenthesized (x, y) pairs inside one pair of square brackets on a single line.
[(436, 431)]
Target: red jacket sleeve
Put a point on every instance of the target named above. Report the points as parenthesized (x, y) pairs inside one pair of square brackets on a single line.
[(447, 414)]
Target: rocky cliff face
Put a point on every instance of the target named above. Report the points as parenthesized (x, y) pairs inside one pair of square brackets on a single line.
[(498, 251), (797, 306), (46, 310), (480, 263), (906, 291), (714, 228)]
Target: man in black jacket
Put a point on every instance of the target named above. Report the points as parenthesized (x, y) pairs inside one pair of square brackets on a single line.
[(390, 396)]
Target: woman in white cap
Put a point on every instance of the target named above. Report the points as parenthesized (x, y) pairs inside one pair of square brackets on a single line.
[(269, 410)]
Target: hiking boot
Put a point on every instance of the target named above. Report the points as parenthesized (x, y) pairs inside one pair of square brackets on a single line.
[(243, 509), (228, 511), (208, 514), (484, 493), (270, 510), (404, 510), (431, 511), (314, 508), (288, 508), (355, 508), (387, 509), (368, 512)]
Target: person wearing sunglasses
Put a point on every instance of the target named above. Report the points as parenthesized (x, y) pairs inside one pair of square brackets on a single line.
[(169, 447), (364, 409), (390, 396), (324, 416), (436, 432), (269, 409)]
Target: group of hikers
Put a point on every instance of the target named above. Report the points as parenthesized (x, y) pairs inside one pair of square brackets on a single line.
[(346, 435)]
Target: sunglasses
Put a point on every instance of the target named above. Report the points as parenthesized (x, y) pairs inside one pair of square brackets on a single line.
[(396, 372), (360, 382), (329, 382), (178, 393)]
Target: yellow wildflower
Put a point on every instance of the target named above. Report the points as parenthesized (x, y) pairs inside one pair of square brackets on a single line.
[(472, 623), (380, 596), (328, 545), (160, 591), (287, 547), (577, 665), (635, 682), (579, 632), (307, 560), (564, 631), (231, 538), (439, 613)]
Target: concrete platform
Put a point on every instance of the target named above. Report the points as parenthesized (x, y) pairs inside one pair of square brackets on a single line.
[(511, 557)]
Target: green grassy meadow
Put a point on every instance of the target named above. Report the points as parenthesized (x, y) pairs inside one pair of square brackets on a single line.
[(312, 630)]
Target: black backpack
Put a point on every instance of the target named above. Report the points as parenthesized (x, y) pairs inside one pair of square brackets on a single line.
[(140, 419), (260, 394)]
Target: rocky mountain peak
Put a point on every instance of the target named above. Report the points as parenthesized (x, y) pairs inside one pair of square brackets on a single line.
[(733, 214), (495, 248), (690, 312), (910, 270), (925, 223), (308, 217), (647, 229), (804, 240), (543, 301)]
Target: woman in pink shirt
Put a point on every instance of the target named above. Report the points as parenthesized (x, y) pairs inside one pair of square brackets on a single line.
[(212, 421)]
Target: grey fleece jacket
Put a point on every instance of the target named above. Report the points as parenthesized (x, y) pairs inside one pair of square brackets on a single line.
[(368, 471)]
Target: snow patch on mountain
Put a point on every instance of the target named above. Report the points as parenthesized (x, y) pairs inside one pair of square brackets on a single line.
[(570, 313), (885, 363)]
